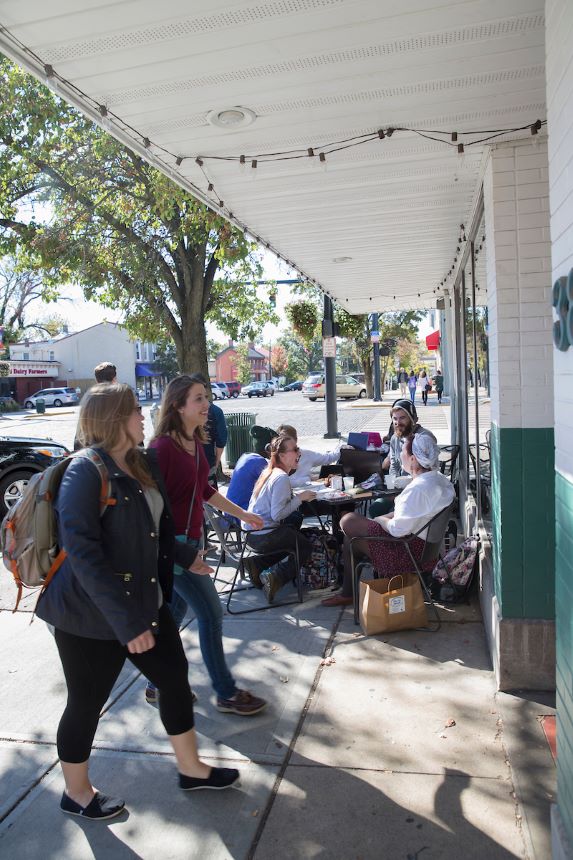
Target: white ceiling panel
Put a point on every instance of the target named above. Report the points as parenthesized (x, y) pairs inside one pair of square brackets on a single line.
[(314, 72)]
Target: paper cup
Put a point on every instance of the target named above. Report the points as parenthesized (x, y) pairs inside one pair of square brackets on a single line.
[(348, 483), (336, 482), (389, 479)]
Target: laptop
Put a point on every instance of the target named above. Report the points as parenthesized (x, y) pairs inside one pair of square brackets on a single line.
[(360, 464)]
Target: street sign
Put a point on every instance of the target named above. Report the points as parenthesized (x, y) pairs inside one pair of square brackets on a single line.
[(329, 347)]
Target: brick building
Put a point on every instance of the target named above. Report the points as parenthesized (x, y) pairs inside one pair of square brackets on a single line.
[(226, 364)]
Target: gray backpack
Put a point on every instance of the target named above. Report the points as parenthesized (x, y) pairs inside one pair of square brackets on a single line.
[(29, 531)]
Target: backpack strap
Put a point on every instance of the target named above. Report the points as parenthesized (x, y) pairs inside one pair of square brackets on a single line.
[(105, 498)]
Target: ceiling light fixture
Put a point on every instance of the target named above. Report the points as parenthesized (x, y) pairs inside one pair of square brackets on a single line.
[(231, 118)]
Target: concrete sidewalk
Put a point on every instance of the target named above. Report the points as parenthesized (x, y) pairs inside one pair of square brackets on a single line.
[(352, 758)]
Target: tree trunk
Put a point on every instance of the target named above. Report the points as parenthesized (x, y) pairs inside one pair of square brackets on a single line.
[(192, 355), (367, 368)]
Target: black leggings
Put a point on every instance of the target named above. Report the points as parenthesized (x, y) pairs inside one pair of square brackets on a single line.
[(91, 668)]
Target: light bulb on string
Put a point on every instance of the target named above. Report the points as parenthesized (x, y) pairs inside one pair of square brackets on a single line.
[(253, 170), (105, 120), (242, 163), (51, 79), (322, 162)]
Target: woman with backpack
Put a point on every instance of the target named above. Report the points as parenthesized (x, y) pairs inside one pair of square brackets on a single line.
[(107, 602), (178, 444)]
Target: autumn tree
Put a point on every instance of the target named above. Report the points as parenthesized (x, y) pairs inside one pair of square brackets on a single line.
[(77, 206)]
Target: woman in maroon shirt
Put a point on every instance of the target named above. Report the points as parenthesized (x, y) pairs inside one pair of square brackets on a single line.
[(178, 441)]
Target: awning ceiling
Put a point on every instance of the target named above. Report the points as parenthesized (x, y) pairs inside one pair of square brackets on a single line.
[(379, 225)]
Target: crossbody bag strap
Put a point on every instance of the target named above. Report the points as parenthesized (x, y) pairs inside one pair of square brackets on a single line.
[(194, 490)]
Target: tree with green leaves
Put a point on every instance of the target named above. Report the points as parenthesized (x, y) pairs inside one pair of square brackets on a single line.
[(77, 206)]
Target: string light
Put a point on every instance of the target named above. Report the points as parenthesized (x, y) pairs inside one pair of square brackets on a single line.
[(53, 79)]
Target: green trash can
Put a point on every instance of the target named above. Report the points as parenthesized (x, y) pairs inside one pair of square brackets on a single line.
[(239, 440), (40, 405)]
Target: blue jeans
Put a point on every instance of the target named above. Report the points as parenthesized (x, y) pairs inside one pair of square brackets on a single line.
[(200, 594), (412, 394)]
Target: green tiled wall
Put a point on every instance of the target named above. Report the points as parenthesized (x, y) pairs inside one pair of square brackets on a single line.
[(564, 630), (523, 503)]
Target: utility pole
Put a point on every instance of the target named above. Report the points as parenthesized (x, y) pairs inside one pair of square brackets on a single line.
[(328, 332)]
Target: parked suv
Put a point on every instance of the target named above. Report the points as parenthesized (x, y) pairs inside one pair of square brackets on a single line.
[(20, 458), (346, 387), (219, 390), (53, 397), (234, 388)]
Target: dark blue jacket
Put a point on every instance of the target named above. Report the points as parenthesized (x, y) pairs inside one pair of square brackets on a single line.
[(216, 428), (107, 587)]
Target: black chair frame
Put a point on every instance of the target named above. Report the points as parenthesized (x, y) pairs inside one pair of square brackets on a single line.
[(435, 530), (238, 552)]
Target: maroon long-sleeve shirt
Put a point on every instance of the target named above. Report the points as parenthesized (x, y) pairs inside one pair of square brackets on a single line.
[(181, 472)]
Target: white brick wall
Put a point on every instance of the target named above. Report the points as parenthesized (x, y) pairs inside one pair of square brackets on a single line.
[(559, 73), (518, 267)]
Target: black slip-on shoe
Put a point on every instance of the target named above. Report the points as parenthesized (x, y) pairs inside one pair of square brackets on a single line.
[(98, 809), (218, 779)]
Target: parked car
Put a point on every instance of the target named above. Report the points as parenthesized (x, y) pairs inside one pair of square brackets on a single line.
[(270, 387), (20, 458), (293, 386), (234, 388), (53, 397), (346, 387), (219, 390), (255, 389)]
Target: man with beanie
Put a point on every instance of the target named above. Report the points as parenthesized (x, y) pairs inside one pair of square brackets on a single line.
[(405, 421), (405, 424)]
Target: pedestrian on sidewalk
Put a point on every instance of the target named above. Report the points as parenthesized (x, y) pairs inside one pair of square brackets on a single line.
[(403, 382), (425, 385), (412, 383), (103, 615), (178, 442), (439, 384)]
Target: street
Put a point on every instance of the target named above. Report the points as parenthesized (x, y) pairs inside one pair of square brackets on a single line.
[(288, 407)]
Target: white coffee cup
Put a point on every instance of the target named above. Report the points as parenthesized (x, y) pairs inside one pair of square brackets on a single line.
[(389, 479), (348, 483)]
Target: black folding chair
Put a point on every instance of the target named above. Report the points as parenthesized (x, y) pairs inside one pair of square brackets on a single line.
[(435, 530), (234, 547), (484, 452)]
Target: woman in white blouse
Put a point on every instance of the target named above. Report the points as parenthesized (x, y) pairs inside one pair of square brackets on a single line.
[(428, 493), (273, 500)]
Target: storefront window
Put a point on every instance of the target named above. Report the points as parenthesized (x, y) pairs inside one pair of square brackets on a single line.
[(477, 369)]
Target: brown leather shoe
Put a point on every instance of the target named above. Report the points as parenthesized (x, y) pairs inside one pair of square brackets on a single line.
[(243, 703), (337, 600)]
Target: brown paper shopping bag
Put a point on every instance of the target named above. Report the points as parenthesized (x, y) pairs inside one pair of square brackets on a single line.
[(394, 604)]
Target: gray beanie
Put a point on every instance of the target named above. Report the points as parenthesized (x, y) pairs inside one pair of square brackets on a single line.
[(407, 406)]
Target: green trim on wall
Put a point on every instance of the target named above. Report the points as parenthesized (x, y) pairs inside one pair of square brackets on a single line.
[(564, 631), (523, 516)]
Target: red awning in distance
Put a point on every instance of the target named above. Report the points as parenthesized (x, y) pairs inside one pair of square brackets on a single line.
[(433, 340)]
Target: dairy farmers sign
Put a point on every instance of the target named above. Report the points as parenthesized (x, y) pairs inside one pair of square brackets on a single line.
[(34, 368)]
